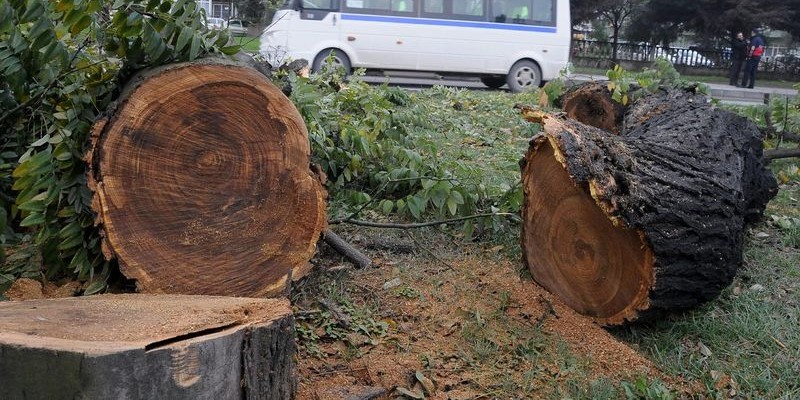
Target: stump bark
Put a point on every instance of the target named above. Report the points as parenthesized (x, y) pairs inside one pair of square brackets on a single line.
[(147, 347), (202, 183), (627, 227)]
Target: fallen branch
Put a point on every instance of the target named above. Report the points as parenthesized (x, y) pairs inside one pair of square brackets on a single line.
[(511, 216), (345, 249), (781, 153)]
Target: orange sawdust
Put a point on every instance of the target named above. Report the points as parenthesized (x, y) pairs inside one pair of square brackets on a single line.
[(474, 327)]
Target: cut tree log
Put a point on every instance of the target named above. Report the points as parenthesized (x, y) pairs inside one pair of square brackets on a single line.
[(627, 227), (139, 346), (202, 183), (591, 104)]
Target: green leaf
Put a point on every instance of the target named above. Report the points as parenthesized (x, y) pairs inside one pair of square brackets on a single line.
[(195, 49), (41, 26), (33, 206), (71, 242), (94, 288), (44, 139), (183, 38), (387, 206), (32, 219), (34, 10), (438, 196), (82, 24), (70, 229), (7, 15), (32, 164), (451, 205), (231, 50)]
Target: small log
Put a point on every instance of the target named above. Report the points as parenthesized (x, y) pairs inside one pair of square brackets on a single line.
[(775, 154), (202, 183), (351, 253), (147, 347), (627, 227)]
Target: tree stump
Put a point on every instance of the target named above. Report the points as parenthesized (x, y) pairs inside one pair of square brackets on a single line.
[(202, 183), (627, 227), (147, 347)]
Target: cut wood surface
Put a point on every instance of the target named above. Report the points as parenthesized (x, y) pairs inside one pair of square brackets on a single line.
[(202, 183), (147, 347), (627, 227), (591, 104)]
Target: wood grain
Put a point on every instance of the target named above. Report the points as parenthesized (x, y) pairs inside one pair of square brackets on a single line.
[(202, 183)]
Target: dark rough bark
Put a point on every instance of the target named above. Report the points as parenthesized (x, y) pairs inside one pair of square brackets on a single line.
[(682, 174), (147, 347), (265, 347)]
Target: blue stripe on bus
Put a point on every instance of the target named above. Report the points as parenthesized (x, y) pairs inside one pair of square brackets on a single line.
[(447, 22)]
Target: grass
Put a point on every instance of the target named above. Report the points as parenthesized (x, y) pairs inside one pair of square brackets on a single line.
[(248, 44), (722, 78)]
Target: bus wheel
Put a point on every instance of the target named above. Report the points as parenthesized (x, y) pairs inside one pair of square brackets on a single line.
[(338, 60), (493, 82), (524, 75)]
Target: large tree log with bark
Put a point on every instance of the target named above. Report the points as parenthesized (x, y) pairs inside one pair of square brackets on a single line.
[(147, 347), (202, 183), (627, 227)]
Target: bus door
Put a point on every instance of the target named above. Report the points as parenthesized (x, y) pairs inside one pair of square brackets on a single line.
[(316, 22), (380, 32)]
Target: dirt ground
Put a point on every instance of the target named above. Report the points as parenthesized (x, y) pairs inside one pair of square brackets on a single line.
[(461, 324)]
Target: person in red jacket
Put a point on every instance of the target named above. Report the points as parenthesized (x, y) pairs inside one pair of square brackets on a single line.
[(754, 53)]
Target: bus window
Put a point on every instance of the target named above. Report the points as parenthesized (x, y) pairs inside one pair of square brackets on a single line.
[(433, 6), (472, 8), (320, 4), (543, 11), (377, 4), (498, 11), (518, 10), (403, 5)]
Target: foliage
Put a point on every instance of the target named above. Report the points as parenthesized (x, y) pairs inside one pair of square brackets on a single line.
[(622, 83), (786, 113), (383, 148), (63, 63)]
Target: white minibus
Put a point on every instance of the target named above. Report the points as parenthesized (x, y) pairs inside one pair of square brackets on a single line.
[(521, 43)]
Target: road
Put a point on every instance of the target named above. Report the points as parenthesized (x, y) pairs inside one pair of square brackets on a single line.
[(724, 93)]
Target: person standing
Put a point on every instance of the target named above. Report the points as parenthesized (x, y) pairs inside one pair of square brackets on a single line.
[(739, 51), (754, 53)]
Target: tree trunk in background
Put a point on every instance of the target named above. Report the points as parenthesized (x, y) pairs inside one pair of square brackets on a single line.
[(202, 183), (147, 347), (627, 227)]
